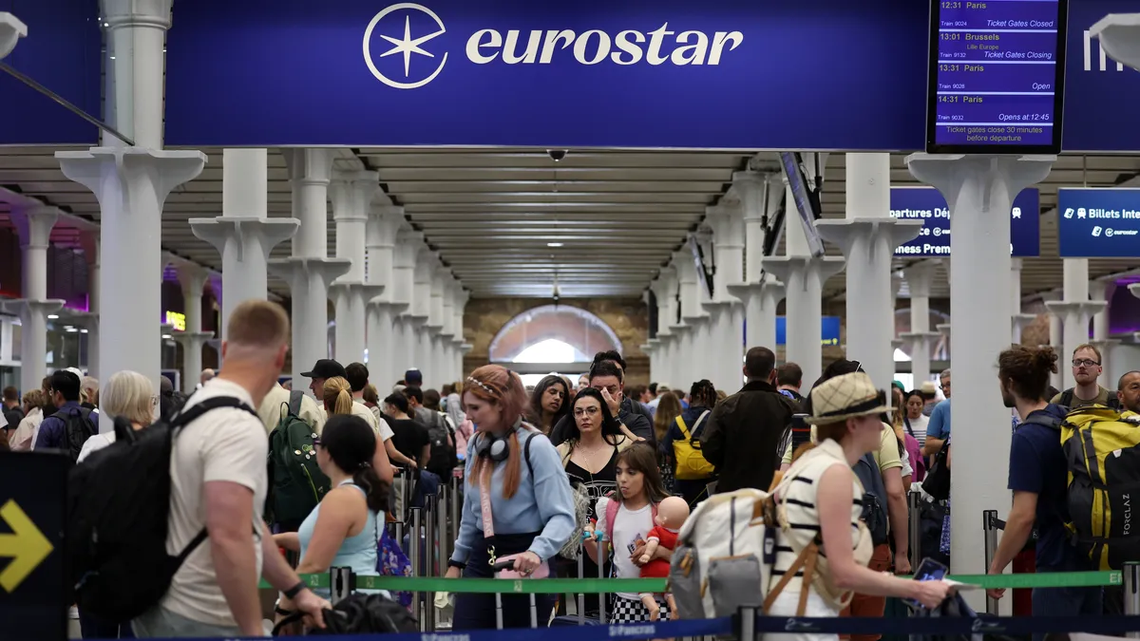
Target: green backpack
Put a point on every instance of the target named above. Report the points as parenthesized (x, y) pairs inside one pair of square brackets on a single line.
[(296, 483)]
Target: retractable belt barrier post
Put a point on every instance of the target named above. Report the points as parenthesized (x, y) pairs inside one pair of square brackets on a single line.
[(455, 503), (414, 556), (442, 509), (914, 506), (430, 506), (341, 584), (1131, 577), (990, 530)]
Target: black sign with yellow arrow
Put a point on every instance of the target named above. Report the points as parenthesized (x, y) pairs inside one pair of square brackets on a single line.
[(33, 507)]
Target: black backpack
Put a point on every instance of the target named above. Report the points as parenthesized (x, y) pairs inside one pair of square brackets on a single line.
[(118, 508), (444, 458), (360, 614), (1068, 395), (78, 427), (937, 480), (875, 511)]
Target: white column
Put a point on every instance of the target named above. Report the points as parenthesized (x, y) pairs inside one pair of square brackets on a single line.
[(1019, 320), (691, 364), (920, 339), (383, 221), (1102, 291), (193, 280), (803, 276), (979, 191), (309, 272), (407, 242), (1057, 379), (896, 286), (726, 310), (352, 195), (462, 346), (131, 184), (760, 195), (667, 336), (421, 309), (868, 238), (244, 235), (447, 334), (90, 241), (33, 225), (1075, 311)]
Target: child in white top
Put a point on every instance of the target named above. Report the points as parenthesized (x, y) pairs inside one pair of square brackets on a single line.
[(625, 519)]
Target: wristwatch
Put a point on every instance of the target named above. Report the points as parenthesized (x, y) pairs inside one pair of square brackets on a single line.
[(292, 592)]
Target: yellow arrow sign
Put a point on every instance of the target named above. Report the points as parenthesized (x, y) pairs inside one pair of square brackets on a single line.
[(26, 546)]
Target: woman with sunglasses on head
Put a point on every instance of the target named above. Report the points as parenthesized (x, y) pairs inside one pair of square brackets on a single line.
[(344, 528), (517, 502)]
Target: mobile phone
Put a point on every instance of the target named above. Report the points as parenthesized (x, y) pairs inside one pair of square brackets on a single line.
[(928, 570)]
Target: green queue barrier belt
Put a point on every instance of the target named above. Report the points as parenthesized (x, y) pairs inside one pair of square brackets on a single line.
[(605, 586)]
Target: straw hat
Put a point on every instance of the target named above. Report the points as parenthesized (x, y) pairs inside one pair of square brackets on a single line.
[(928, 388), (846, 396)]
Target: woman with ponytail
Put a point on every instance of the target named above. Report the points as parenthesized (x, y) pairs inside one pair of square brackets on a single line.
[(343, 530), (337, 396), (514, 476)]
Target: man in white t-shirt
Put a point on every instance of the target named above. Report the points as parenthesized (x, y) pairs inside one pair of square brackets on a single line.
[(219, 482)]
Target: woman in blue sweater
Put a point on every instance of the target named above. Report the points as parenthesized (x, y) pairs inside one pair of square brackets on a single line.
[(529, 501)]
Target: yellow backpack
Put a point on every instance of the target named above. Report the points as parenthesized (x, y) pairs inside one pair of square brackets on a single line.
[(691, 463), (1102, 448)]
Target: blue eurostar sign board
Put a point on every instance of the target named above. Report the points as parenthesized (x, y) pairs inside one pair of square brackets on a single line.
[(584, 73), (1098, 223), (62, 53), (830, 327), (589, 73), (928, 205)]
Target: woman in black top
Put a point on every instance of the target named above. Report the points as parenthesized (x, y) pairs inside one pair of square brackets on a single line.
[(590, 452)]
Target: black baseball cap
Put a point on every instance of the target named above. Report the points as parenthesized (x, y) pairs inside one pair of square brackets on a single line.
[(325, 368), (414, 377)]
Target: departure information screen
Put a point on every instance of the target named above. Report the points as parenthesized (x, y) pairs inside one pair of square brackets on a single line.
[(996, 82)]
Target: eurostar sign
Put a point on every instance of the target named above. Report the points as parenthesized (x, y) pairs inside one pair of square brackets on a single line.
[(486, 46)]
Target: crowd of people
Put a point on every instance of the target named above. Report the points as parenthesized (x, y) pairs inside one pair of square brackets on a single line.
[(543, 465)]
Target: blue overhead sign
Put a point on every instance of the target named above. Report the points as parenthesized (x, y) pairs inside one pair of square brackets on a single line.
[(928, 205), (830, 326), (61, 52), (588, 73), (1098, 223), (1100, 94)]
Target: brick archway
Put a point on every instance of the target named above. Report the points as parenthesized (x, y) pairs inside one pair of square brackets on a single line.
[(577, 327)]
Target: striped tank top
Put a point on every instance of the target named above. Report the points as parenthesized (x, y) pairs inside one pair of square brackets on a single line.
[(799, 519)]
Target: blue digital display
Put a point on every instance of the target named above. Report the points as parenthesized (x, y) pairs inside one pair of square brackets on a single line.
[(928, 205), (1098, 223), (997, 74), (829, 335)]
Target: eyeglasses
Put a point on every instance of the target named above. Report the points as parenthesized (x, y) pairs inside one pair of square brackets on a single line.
[(587, 411), (1087, 362)]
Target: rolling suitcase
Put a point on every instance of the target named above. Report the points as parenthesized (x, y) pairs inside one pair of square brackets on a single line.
[(581, 618)]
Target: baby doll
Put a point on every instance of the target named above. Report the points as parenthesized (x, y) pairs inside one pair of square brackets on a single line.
[(671, 514)]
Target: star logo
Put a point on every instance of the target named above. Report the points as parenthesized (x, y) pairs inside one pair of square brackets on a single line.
[(405, 46)]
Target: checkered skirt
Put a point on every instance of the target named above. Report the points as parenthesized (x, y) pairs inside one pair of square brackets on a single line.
[(634, 611)]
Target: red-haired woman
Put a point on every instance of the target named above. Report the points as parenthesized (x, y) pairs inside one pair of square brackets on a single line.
[(516, 480)]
